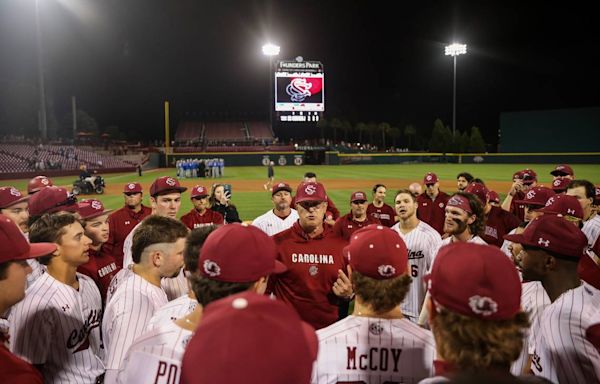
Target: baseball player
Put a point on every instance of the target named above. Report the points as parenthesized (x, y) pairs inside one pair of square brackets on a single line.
[(358, 218), (376, 344), (432, 203), (122, 221), (37, 183), (585, 192), (494, 199), (589, 271), (415, 189), (185, 304), (270, 176), (101, 266), (463, 180), (201, 214), (51, 200), (378, 209), (282, 216), (157, 252), (422, 242), (522, 182), (57, 326), (313, 256), (567, 206), (485, 296), (562, 352), (332, 212), (249, 338), (498, 222), (560, 185), (563, 171), (14, 253), (534, 200), (464, 219), (165, 199)]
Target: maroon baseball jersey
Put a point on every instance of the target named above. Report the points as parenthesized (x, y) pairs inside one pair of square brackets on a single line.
[(498, 223), (433, 212), (120, 223), (101, 267), (13, 369), (345, 226), (518, 209), (313, 266), (386, 214), (193, 219), (330, 207)]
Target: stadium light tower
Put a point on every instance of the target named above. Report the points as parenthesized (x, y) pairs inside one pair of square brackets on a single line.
[(271, 50), (40, 67), (454, 50)]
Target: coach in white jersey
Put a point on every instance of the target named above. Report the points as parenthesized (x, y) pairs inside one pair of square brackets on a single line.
[(165, 200), (282, 216), (475, 301), (375, 344), (157, 252), (57, 326), (234, 258), (185, 304), (422, 242), (586, 193)]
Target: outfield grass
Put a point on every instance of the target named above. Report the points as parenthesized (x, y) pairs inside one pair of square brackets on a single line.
[(254, 201)]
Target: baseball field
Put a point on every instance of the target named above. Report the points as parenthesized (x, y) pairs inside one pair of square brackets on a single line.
[(340, 181)]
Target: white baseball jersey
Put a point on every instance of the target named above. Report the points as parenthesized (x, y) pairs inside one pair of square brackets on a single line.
[(37, 270), (272, 224), (58, 327), (534, 300), (506, 244), (474, 239), (372, 350), (155, 356), (562, 353), (591, 229), (173, 287), (173, 310), (423, 243), (126, 316)]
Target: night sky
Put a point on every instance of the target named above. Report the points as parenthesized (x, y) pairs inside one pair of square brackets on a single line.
[(384, 61)]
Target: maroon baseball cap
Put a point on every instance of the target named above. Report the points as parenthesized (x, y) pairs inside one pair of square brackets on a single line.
[(460, 202), (52, 199), (164, 185), (310, 191), (199, 191), (430, 178), (14, 246), (281, 187), (597, 198), (132, 188), (537, 196), (494, 197), (37, 183), (552, 233), (250, 338), (564, 205), (89, 209), (485, 283), (588, 268), (238, 253), (529, 176), (10, 196), (560, 185), (358, 196), (378, 252), (562, 170), (480, 191)]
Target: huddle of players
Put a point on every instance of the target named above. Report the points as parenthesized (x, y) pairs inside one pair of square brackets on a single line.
[(380, 269)]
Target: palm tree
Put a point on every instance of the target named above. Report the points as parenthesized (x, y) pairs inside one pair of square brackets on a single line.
[(371, 129), (360, 128), (322, 124), (394, 133), (410, 131), (346, 127), (385, 129), (335, 124)]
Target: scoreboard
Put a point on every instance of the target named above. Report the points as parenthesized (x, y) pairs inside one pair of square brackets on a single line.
[(299, 90)]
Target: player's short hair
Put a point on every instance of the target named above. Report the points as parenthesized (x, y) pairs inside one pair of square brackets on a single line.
[(590, 190), (408, 192), (466, 175), (377, 186), (381, 295), (310, 174), (193, 244), (50, 228), (478, 225), (208, 290), (155, 230), (478, 181), (472, 344)]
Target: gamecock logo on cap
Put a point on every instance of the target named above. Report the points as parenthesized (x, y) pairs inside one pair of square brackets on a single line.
[(556, 182), (131, 186), (386, 270), (45, 181), (482, 305), (96, 205), (15, 192), (211, 268), (170, 181), (298, 90), (531, 194), (428, 177), (310, 190)]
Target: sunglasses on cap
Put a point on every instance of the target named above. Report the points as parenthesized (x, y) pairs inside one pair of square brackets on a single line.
[(359, 202), (131, 193)]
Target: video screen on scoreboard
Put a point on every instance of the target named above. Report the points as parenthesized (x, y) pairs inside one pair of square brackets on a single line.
[(299, 92)]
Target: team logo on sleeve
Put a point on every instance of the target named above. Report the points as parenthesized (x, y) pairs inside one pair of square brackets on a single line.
[(386, 270), (211, 268), (482, 305)]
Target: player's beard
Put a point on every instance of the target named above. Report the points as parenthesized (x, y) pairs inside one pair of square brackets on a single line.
[(461, 226)]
